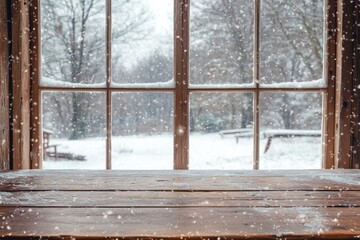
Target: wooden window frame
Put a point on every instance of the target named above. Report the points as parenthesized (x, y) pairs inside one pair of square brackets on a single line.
[(182, 90)]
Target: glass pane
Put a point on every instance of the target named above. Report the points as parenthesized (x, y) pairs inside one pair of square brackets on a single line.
[(221, 131), (142, 42), (142, 131), (291, 131), (292, 42), (73, 43), (74, 130), (221, 42)]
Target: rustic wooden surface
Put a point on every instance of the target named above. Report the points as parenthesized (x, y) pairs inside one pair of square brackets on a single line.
[(61, 204), (4, 89), (36, 145), (20, 84)]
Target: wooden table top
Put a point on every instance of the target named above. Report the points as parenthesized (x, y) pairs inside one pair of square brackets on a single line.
[(64, 204)]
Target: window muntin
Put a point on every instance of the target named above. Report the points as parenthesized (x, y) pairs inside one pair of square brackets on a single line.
[(233, 83)]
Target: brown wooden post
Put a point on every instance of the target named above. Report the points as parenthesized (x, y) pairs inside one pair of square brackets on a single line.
[(344, 83), (181, 73), (20, 84), (4, 89), (330, 35), (356, 83), (36, 119)]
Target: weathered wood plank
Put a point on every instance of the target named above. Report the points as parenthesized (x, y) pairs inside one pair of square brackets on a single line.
[(174, 223), (179, 199), (20, 84), (4, 89), (344, 85), (36, 128), (330, 77), (185, 181)]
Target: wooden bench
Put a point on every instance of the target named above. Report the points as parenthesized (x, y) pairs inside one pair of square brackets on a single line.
[(55, 154), (64, 204), (235, 131), (46, 143), (288, 133)]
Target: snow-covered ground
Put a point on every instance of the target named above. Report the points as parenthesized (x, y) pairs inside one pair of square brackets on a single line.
[(207, 151)]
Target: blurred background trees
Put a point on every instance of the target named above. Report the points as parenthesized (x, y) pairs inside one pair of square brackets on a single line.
[(221, 52)]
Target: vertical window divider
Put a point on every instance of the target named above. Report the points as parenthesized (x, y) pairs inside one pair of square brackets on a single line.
[(36, 150), (256, 157), (181, 78), (108, 83)]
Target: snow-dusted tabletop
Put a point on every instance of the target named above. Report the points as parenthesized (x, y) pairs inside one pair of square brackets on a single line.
[(66, 204)]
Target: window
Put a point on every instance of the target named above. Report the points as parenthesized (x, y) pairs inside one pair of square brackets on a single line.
[(135, 84)]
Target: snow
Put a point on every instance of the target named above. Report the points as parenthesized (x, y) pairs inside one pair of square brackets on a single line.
[(207, 151), (49, 82), (272, 132), (215, 86), (168, 84), (319, 83)]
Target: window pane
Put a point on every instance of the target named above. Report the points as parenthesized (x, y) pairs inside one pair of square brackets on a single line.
[(221, 131), (221, 42), (292, 42), (142, 131), (292, 124), (76, 124), (142, 42), (73, 43)]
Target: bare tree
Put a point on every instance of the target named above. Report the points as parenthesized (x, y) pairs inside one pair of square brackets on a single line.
[(73, 43)]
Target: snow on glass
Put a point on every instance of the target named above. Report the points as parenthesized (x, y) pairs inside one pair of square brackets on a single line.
[(221, 55)]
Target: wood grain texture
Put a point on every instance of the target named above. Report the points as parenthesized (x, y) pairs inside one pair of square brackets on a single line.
[(181, 70), (330, 76), (20, 84), (67, 204), (36, 144), (181, 181), (158, 199), (344, 83), (148, 223), (4, 89), (356, 83)]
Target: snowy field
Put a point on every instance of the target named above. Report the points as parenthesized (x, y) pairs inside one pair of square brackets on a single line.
[(207, 151)]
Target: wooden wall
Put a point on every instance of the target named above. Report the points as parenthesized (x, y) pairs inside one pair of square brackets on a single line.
[(4, 89)]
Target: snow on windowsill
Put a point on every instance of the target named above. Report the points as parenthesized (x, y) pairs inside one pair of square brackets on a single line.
[(49, 82), (320, 83), (215, 86), (168, 84)]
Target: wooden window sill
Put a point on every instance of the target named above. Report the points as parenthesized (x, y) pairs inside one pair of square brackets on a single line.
[(174, 204)]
